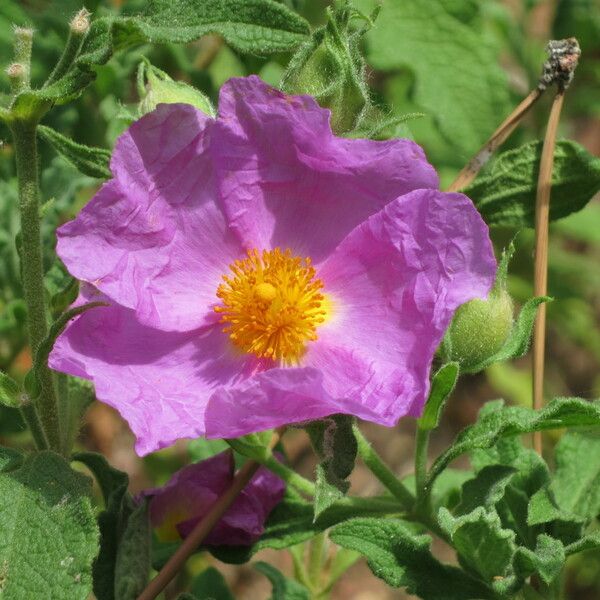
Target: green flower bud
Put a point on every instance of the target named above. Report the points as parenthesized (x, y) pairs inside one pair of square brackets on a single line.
[(156, 87), (480, 328), (330, 68)]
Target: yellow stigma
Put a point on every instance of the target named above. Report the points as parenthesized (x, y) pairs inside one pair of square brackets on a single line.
[(272, 304)]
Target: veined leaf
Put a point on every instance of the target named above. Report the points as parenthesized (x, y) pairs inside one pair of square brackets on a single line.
[(48, 533), (505, 195), (513, 420), (252, 26), (401, 557)]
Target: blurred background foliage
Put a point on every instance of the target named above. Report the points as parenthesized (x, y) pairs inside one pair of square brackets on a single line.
[(462, 64)]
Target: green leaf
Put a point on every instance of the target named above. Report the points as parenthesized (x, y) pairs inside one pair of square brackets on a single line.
[(43, 352), (335, 445), (10, 391), (132, 565), (514, 420), (485, 489), (330, 67), (483, 545), (505, 195), (588, 542), (211, 585), (250, 26), (402, 558), (442, 384), (517, 343), (292, 522), (283, 588), (459, 80), (547, 560), (93, 162), (10, 459), (531, 474), (112, 562), (576, 482), (48, 533)]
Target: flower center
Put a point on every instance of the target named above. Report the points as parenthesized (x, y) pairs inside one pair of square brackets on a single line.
[(272, 304)]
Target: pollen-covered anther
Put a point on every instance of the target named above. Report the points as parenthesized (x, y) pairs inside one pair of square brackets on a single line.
[(272, 304)]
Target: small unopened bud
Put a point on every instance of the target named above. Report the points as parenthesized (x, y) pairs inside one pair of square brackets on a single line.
[(480, 328), (24, 33), (15, 71), (80, 23), (330, 68), (156, 87)]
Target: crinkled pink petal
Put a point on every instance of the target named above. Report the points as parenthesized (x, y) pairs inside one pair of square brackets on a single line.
[(159, 381), (394, 282), (193, 489), (153, 239), (285, 179)]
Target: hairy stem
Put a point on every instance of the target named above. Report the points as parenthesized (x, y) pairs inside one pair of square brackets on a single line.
[(383, 473), (78, 29), (24, 135), (423, 493), (316, 552), (301, 484)]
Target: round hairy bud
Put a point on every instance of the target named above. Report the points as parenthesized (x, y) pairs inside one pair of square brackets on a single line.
[(480, 328), (330, 68)]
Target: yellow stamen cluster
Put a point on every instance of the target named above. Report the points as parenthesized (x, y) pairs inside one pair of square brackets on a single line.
[(272, 304)]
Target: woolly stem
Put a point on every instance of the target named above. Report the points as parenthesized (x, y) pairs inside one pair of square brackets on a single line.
[(383, 473), (78, 28), (25, 145)]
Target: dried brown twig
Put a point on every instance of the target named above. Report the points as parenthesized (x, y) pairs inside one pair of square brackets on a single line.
[(559, 69)]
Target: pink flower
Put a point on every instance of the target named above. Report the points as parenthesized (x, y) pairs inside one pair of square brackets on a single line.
[(176, 508), (262, 271)]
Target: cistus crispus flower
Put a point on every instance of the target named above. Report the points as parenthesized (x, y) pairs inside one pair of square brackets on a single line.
[(176, 507), (262, 271)]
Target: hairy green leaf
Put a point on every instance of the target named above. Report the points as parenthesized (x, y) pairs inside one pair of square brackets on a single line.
[(48, 533), (547, 560), (252, 26), (283, 588), (458, 77), (576, 482), (514, 420), (402, 558), (113, 522), (132, 564), (10, 391), (442, 384), (292, 522), (43, 352), (485, 489), (335, 445), (588, 542), (93, 162), (483, 545), (505, 194)]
